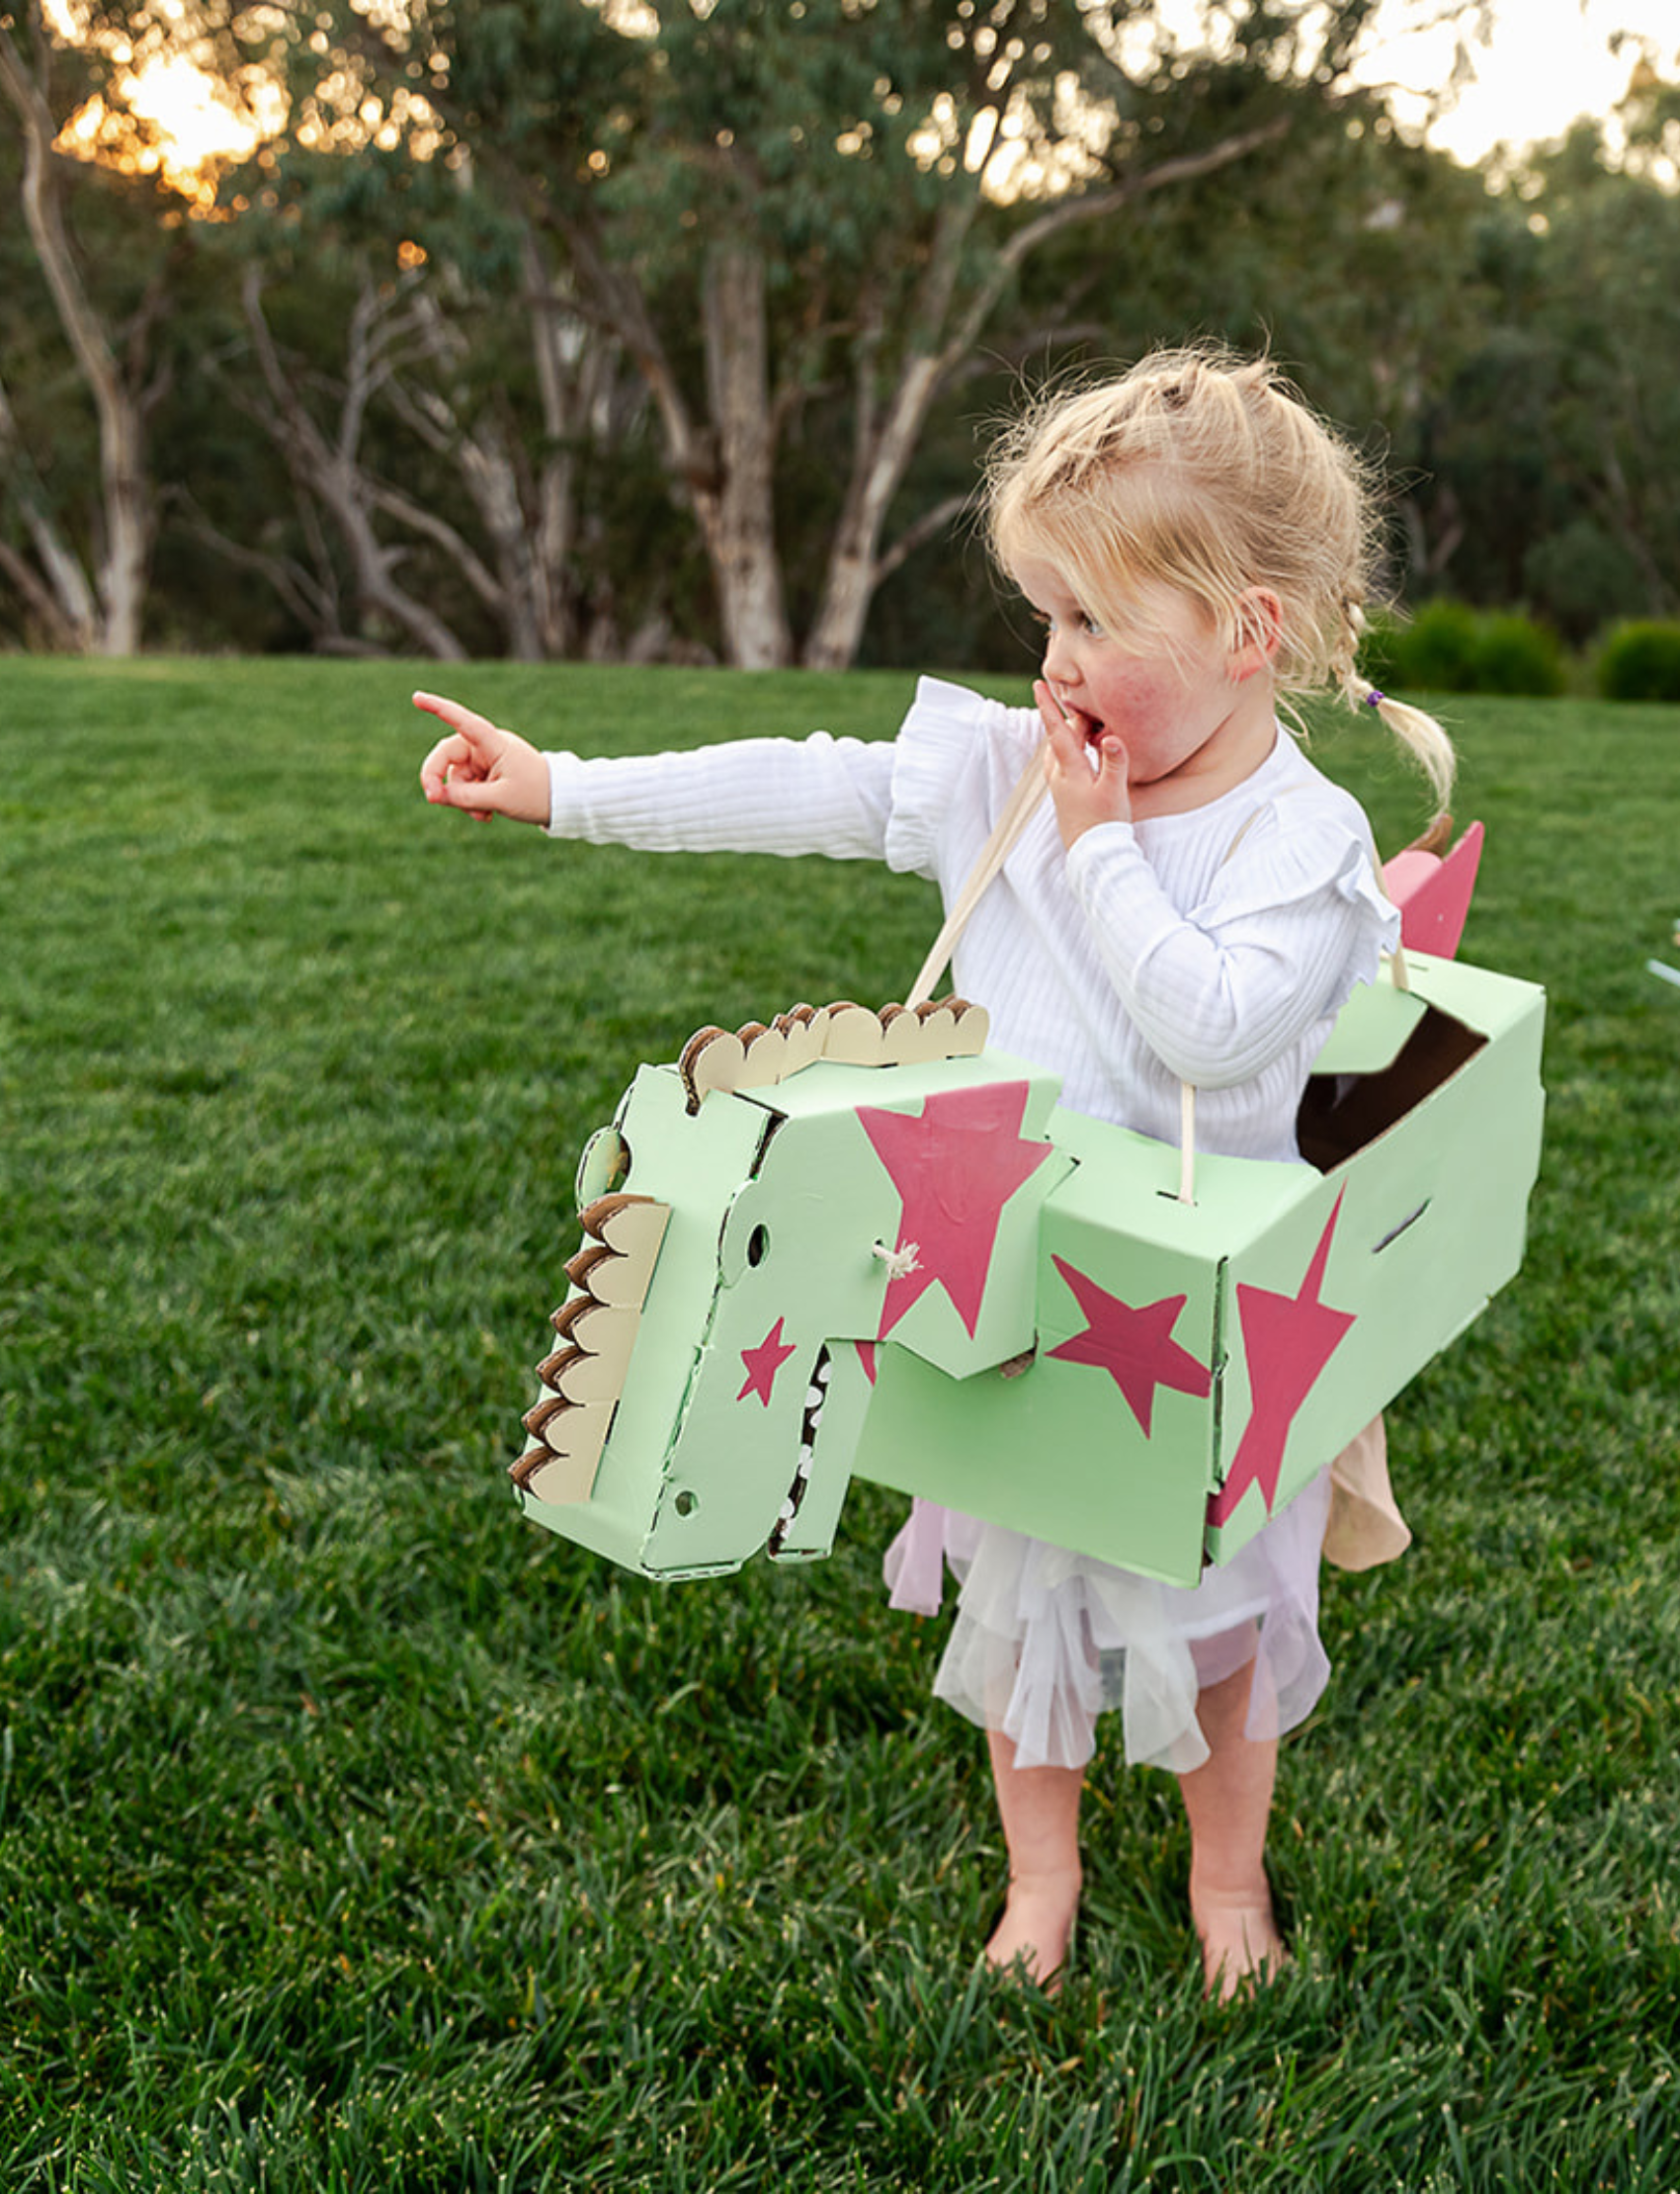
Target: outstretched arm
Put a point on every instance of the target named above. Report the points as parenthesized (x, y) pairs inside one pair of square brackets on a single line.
[(482, 769)]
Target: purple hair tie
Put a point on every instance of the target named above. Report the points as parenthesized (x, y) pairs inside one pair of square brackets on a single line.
[(1374, 697)]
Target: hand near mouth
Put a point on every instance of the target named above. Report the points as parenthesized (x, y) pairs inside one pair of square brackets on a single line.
[(1085, 767)]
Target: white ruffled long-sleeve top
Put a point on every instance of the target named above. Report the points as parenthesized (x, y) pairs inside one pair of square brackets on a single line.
[(1214, 947)]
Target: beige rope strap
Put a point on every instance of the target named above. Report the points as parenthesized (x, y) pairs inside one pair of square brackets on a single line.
[(1018, 812)]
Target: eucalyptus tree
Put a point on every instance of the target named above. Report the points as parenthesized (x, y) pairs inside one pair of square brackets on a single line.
[(79, 349), (1606, 322), (1550, 446), (443, 419), (795, 224), (781, 208)]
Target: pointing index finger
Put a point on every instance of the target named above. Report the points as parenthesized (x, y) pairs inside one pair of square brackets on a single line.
[(464, 720)]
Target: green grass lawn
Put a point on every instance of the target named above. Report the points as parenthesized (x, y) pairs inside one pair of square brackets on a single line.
[(357, 1835)]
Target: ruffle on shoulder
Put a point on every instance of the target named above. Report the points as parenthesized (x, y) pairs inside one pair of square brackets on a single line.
[(955, 747), (1304, 839), (1308, 840)]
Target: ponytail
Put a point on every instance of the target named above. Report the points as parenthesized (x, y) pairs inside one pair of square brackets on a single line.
[(1418, 731)]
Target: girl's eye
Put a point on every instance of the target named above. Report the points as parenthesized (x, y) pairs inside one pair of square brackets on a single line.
[(1081, 617)]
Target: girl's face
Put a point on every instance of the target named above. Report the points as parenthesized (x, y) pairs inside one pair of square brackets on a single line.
[(1168, 688)]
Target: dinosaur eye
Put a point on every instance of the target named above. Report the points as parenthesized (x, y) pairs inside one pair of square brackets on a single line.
[(758, 1245), (604, 1166)]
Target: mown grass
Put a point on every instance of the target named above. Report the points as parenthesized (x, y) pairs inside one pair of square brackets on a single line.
[(357, 1836)]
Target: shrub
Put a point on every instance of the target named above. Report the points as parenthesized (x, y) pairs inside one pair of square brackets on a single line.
[(1641, 662), (1378, 656), (1514, 654), (1435, 650), (1449, 647)]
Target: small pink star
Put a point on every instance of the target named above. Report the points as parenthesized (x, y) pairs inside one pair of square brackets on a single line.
[(1135, 1347), (763, 1363)]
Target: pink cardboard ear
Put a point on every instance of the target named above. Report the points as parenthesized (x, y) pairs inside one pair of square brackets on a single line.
[(1434, 895)]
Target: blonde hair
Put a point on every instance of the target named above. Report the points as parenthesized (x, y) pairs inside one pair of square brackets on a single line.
[(1207, 474)]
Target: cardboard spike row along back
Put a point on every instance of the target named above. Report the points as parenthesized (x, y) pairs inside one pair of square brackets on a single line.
[(843, 1243)]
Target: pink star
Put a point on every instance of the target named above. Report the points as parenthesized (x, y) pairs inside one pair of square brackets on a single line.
[(955, 1164), (1135, 1347), (763, 1363), (1288, 1341)]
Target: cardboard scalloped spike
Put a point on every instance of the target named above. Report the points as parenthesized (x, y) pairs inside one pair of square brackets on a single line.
[(597, 1328), (711, 1058), (757, 1054), (583, 1379), (938, 1038), (804, 1029), (552, 1478), (900, 1037), (630, 1229), (567, 1476), (854, 1035), (920, 1036), (765, 1059), (973, 1027), (603, 1329)]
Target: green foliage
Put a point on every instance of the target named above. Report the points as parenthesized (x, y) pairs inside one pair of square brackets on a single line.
[(1516, 656), (1582, 577), (355, 1835), (1434, 650), (1641, 662), (1546, 441), (1499, 340), (1450, 647)]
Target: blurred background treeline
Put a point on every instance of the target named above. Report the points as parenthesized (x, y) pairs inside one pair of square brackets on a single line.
[(551, 329)]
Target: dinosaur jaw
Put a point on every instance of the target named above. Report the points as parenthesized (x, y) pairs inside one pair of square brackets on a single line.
[(597, 1326)]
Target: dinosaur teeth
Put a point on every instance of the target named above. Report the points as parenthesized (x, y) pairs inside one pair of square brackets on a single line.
[(817, 1394), (597, 1326)]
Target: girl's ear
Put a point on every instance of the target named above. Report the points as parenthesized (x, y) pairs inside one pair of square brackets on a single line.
[(1257, 633)]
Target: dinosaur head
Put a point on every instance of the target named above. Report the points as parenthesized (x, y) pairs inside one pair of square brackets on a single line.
[(757, 1236)]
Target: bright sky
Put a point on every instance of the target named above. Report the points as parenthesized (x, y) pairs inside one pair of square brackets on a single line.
[(1548, 61)]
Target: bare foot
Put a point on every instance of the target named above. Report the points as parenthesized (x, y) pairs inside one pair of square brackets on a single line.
[(1241, 1948), (1036, 1927)]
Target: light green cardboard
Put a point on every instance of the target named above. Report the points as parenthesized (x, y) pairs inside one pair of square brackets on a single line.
[(1189, 1368)]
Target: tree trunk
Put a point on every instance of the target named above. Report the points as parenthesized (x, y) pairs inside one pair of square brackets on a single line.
[(947, 335), (736, 508), (125, 492), (854, 565), (55, 586), (332, 473)]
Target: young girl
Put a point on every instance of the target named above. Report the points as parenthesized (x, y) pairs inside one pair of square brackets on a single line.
[(1194, 904)]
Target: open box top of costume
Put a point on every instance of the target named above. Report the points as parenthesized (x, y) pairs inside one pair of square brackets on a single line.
[(814, 1256)]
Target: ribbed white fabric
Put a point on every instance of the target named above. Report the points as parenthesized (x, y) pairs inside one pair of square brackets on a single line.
[(1143, 958), (1214, 947)]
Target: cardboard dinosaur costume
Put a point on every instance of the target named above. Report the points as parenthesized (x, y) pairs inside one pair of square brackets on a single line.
[(857, 1244)]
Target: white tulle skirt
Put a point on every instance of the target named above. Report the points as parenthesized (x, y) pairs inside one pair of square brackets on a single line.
[(1045, 1640)]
